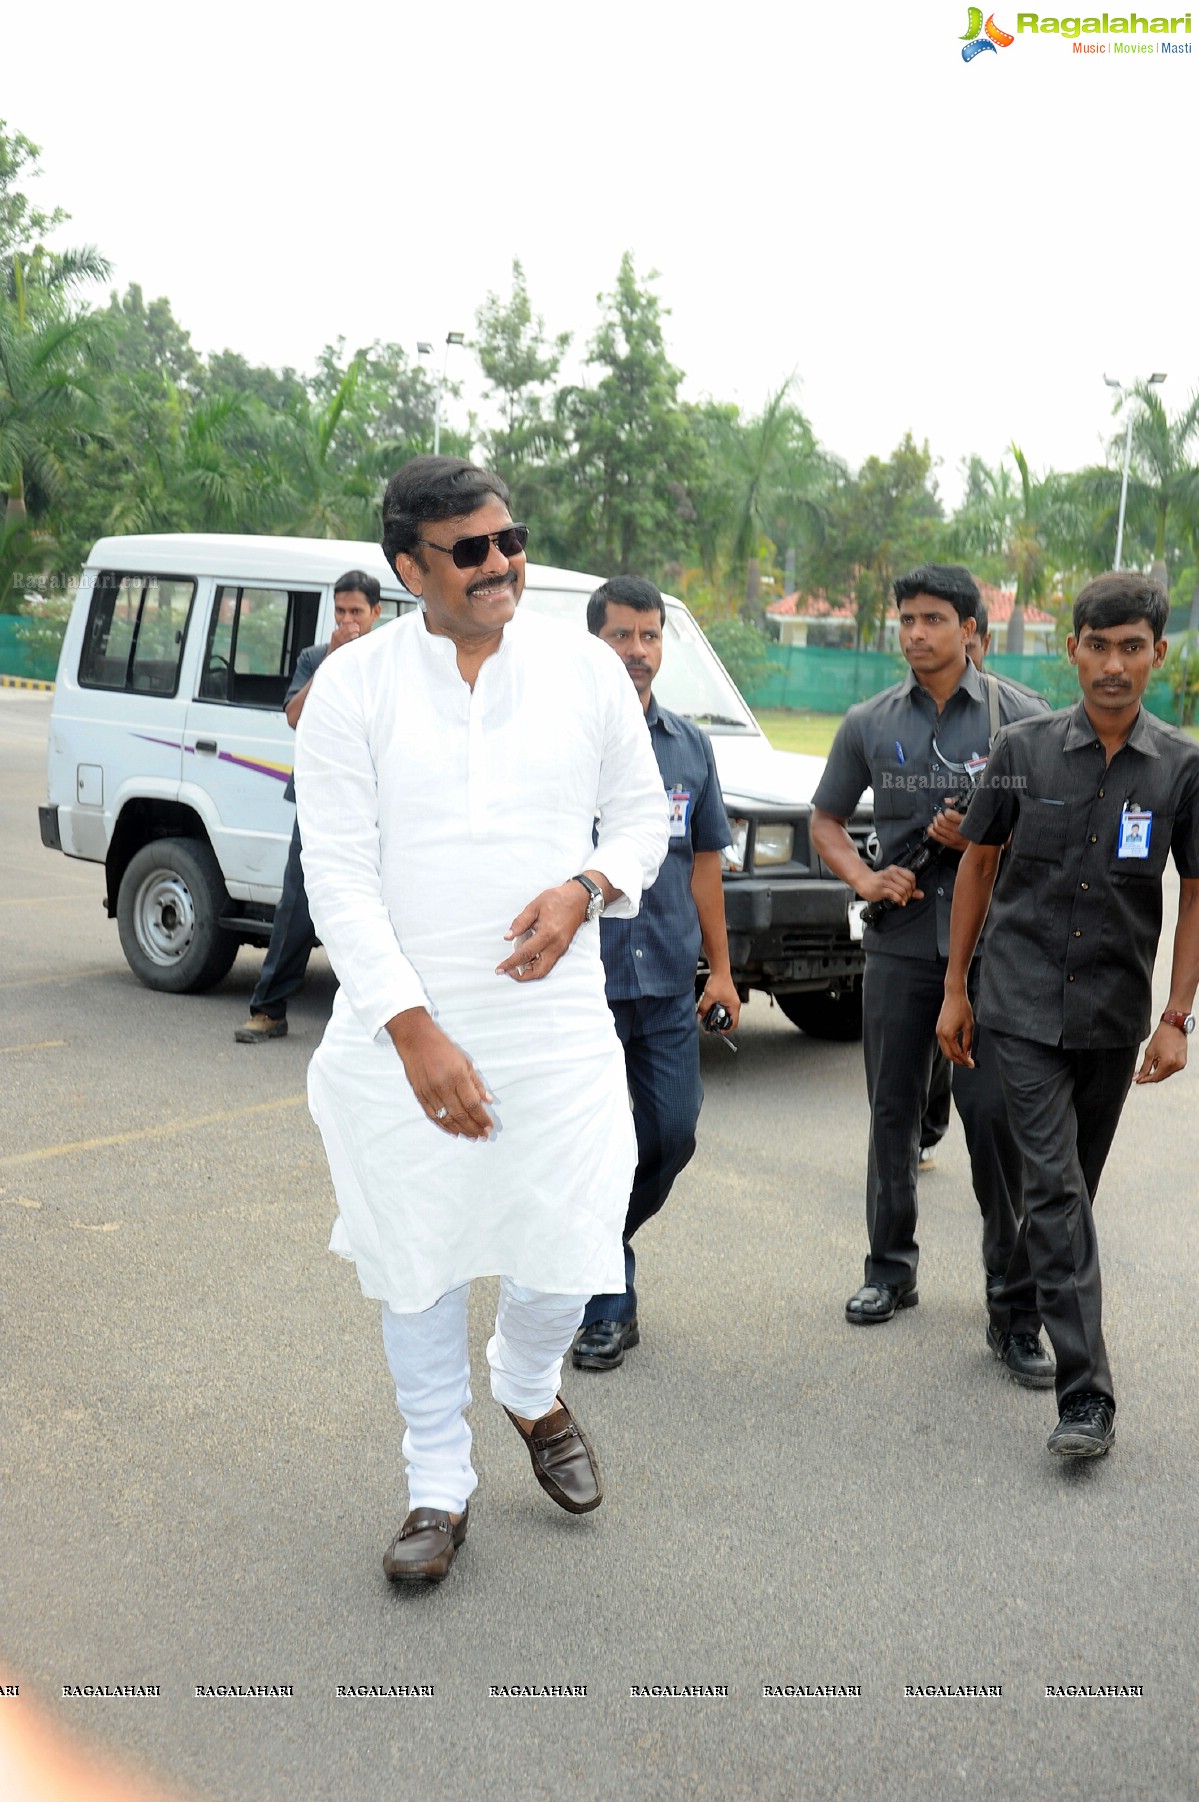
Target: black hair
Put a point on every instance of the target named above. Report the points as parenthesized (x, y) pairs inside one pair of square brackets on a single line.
[(980, 620), (624, 591), (431, 488), (356, 581), (946, 582), (1120, 596)]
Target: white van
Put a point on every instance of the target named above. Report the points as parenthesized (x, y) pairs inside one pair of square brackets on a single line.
[(169, 756)]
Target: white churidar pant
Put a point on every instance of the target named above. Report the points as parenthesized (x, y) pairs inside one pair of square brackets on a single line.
[(430, 1366)]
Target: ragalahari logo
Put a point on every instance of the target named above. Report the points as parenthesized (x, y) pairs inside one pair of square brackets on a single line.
[(975, 42)]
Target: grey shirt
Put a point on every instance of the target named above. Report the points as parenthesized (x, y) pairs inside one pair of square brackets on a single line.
[(913, 757), (307, 664), (1075, 918)]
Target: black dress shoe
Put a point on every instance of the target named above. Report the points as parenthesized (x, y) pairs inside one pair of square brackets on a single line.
[(1025, 1357), (425, 1546), (1087, 1428), (603, 1344), (878, 1301), (564, 1462)]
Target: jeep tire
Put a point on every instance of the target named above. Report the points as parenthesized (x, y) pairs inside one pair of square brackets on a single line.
[(169, 908), (826, 1013)]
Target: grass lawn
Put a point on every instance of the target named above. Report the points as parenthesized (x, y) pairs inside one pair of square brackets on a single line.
[(787, 731), (814, 732)]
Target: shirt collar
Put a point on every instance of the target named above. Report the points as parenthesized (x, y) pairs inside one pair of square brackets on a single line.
[(1081, 732), (658, 716), (971, 681)]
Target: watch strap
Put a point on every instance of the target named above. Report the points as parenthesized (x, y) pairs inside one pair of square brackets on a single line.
[(1184, 1022)]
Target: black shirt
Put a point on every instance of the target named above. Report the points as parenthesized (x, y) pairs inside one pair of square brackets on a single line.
[(1075, 919), (656, 952), (887, 743)]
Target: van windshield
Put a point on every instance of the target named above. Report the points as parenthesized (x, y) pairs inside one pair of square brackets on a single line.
[(691, 681)]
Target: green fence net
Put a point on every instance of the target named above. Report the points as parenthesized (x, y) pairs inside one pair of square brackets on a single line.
[(804, 677)]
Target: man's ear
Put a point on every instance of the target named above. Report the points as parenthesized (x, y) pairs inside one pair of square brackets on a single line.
[(1159, 653)]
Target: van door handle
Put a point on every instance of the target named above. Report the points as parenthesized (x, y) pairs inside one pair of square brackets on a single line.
[(206, 744)]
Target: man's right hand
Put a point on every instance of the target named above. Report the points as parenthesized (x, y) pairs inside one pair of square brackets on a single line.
[(442, 1077), (345, 634), (955, 1028), (889, 884)]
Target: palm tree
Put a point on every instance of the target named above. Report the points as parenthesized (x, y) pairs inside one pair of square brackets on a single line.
[(47, 401), (1162, 481)]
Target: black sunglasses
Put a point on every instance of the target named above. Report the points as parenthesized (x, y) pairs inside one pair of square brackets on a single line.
[(471, 553)]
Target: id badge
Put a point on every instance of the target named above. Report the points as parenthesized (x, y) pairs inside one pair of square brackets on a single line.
[(1136, 824), (975, 767), (680, 811)]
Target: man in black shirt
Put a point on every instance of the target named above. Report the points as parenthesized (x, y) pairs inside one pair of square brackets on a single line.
[(1092, 799), (921, 745)]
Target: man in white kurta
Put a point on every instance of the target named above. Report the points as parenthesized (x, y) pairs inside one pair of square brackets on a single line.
[(470, 1089)]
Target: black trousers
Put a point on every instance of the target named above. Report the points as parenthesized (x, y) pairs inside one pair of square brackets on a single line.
[(292, 941), (934, 1122), (902, 997), (1064, 1108), (660, 1036)]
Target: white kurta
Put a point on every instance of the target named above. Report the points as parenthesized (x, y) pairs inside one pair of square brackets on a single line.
[(431, 815)]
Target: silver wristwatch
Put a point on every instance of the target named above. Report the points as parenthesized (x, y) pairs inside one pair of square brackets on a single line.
[(595, 903)]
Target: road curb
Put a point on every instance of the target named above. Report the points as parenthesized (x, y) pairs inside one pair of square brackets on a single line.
[(26, 682)]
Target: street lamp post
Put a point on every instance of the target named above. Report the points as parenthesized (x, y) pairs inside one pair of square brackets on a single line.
[(1124, 394), (450, 338)]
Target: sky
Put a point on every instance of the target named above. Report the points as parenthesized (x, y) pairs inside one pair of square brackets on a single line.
[(825, 190)]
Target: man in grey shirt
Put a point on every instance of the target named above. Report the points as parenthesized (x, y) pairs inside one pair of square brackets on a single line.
[(357, 601), (921, 746)]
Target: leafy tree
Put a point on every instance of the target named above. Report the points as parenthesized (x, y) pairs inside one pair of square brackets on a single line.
[(48, 406), (520, 364), (635, 448), (880, 523)]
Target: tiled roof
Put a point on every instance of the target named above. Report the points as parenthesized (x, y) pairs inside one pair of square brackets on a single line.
[(999, 603)]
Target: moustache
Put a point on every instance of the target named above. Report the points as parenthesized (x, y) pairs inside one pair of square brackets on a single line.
[(507, 580)]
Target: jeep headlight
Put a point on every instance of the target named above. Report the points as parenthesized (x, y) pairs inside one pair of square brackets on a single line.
[(733, 856), (774, 843)]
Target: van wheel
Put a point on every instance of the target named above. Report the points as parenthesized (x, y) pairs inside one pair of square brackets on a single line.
[(168, 912), (831, 1014)]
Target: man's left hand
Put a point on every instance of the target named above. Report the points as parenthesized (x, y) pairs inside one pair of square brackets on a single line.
[(946, 829), (1165, 1055), (551, 919), (720, 989)]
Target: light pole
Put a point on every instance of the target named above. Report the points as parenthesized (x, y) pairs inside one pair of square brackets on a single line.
[(425, 349), (1124, 394)]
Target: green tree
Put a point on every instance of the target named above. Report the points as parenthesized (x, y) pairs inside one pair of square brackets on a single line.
[(881, 522), (634, 447), (521, 364), (48, 349)]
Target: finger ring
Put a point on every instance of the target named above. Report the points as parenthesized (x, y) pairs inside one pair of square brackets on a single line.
[(441, 1113)]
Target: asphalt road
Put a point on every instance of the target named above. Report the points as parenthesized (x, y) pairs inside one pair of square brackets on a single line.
[(201, 1456)]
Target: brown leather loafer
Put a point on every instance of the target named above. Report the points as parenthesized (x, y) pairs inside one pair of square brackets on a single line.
[(564, 1461), (425, 1546)]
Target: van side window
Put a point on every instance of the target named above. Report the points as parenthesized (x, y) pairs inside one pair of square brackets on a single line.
[(135, 631), (255, 637)]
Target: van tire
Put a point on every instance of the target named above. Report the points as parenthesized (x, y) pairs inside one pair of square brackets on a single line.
[(826, 1014), (169, 907)]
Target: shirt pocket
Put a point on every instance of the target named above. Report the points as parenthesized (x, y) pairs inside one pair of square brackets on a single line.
[(1149, 868), (893, 798), (1041, 830)]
